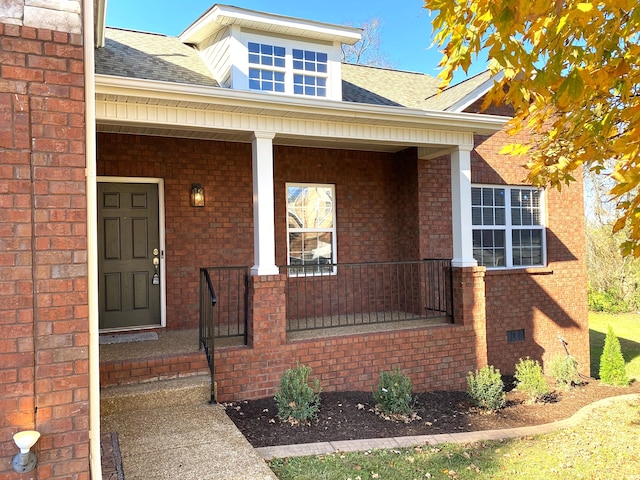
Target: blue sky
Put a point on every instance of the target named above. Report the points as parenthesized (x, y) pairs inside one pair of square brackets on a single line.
[(405, 32)]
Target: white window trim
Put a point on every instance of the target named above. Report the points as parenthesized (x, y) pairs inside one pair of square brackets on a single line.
[(508, 227), (334, 249)]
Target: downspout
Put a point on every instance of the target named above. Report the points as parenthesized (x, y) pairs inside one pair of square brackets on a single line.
[(92, 241)]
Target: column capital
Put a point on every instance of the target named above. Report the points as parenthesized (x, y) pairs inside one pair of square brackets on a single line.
[(465, 147), (263, 135)]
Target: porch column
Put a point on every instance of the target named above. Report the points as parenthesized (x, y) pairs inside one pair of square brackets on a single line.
[(461, 207), (264, 249)]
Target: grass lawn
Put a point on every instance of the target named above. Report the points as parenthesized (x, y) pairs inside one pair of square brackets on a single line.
[(627, 329), (603, 446)]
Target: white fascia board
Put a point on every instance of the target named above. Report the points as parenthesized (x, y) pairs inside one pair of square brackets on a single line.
[(280, 105), (475, 94), (220, 16)]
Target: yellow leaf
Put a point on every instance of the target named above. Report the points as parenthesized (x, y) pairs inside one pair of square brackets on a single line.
[(619, 225), (585, 7)]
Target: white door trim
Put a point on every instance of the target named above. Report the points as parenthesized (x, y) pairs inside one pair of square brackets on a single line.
[(161, 226)]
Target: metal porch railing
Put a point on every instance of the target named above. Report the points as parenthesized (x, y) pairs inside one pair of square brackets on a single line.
[(345, 294), (223, 315)]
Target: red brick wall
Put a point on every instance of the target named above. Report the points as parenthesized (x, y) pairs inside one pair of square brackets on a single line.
[(544, 302), (43, 272), (368, 196), (434, 193)]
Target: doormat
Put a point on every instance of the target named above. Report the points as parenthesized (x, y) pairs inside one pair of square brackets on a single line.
[(129, 337), (110, 457)]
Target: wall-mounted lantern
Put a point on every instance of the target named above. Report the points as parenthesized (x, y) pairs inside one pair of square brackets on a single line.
[(197, 195)]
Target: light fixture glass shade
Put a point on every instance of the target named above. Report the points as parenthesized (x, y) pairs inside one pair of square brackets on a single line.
[(25, 461), (197, 195), (25, 440)]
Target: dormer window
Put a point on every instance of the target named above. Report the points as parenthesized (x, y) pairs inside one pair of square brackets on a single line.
[(310, 62), (271, 60), (271, 67)]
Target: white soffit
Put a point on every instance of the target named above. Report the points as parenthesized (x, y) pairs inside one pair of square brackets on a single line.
[(127, 105), (221, 16)]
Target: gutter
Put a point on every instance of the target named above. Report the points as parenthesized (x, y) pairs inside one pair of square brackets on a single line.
[(217, 98)]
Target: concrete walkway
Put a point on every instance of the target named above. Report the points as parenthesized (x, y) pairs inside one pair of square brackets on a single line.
[(325, 448), (165, 435)]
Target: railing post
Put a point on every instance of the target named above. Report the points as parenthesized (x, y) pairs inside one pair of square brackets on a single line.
[(208, 301)]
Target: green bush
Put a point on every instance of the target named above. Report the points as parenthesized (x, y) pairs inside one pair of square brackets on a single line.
[(608, 301), (612, 365), (530, 380), (393, 395), (564, 369), (486, 388), (296, 399)]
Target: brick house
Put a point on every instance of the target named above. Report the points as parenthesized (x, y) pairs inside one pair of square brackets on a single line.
[(353, 220)]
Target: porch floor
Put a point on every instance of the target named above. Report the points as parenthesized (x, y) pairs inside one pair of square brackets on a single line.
[(359, 324), (177, 342), (172, 342)]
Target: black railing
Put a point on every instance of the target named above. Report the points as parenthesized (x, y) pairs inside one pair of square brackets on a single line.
[(223, 316), (348, 294)]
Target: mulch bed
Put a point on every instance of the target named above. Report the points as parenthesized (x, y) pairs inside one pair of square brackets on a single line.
[(350, 415)]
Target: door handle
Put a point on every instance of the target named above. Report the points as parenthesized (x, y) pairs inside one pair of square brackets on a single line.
[(156, 262)]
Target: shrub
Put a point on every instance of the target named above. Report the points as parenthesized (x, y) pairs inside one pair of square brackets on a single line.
[(486, 388), (393, 395), (608, 301), (530, 379), (296, 400), (564, 369), (612, 366)]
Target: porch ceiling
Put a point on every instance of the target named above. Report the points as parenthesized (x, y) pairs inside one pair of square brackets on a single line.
[(143, 107)]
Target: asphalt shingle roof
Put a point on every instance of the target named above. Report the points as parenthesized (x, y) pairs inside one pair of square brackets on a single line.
[(158, 57), (151, 56), (382, 86)]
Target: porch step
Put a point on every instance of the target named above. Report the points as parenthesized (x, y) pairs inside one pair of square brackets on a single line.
[(154, 395)]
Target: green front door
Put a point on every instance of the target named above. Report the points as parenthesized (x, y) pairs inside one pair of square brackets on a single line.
[(128, 255)]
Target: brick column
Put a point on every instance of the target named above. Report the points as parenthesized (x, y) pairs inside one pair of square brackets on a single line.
[(267, 326), (469, 306)]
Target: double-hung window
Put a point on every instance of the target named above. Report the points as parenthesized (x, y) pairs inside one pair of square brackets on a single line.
[(311, 228), (309, 73), (508, 226), (266, 67)]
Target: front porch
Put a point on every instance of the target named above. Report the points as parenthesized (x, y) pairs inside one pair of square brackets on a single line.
[(435, 351)]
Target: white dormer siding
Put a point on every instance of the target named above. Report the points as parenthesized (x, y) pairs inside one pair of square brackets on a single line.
[(260, 52), (217, 51)]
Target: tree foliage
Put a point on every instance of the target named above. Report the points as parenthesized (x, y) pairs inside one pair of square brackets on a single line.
[(571, 71)]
